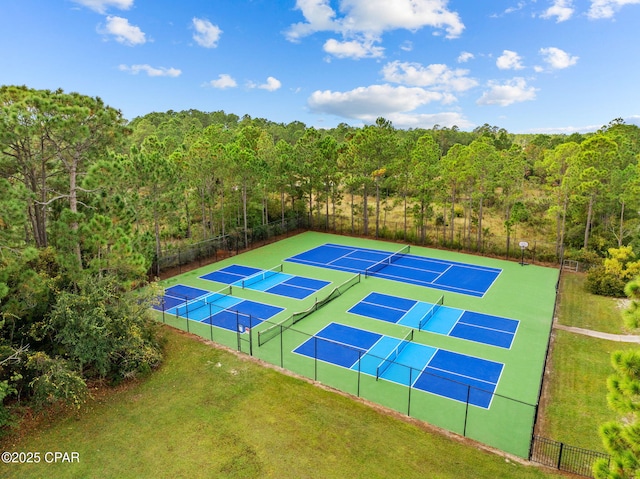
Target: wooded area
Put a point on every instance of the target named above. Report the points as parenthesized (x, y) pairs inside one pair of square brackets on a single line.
[(88, 200)]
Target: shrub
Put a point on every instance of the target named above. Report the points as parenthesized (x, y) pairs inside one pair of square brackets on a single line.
[(600, 281)]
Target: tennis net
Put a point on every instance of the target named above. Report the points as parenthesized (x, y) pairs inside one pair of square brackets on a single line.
[(202, 301), (261, 276), (386, 262), (278, 328), (393, 355), (431, 313)]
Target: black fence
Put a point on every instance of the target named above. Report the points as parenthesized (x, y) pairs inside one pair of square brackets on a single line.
[(564, 457), (225, 246), (490, 243)]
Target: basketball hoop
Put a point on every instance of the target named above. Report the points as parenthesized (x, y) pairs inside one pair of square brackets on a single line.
[(523, 245)]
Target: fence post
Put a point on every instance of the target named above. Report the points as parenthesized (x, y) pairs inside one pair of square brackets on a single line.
[(560, 456), (238, 333), (315, 358), (281, 347), (409, 395), (533, 430), (359, 366), (466, 412)]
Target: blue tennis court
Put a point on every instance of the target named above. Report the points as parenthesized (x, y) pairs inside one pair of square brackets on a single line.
[(437, 371), (437, 318), (272, 281), (404, 267), (176, 295), (217, 309)]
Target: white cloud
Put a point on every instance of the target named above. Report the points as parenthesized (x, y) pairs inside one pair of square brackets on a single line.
[(437, 76), (425, 120), (151, 71), (319, 15), (369, 19), (565, 130), (123, 31), (607, 8), (272, 84), (562, 10), (512, 91), (373, 101), (407, 46), (352, 49), (509, 61), (465, 57), (207, 34), (557, 59), (223, 82), (101, 6)]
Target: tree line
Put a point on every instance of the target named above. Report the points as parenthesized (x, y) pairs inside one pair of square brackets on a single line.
[(89, 199)]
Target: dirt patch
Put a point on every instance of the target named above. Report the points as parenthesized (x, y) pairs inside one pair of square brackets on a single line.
[(623, 303)]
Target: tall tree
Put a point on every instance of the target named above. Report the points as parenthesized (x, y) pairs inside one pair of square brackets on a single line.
[(510, 181), (26, 155), (152, 172), (283, 177), (556, 163), (367, 156), (425, 166), (591, 172), (328, 173), (483, 161), (453, 167), (244, 154), (309, 160)]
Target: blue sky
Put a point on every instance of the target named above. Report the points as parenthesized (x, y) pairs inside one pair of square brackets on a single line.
[(529, 66)]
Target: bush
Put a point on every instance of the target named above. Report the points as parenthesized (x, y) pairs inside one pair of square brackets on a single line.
[(601, 282), (6, 389)]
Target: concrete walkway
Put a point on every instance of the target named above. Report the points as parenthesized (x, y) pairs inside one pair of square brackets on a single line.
[(623, 338)]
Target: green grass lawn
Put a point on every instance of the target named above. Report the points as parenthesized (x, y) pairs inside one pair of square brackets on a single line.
[(576, 392), (211, 413), (584, 310)]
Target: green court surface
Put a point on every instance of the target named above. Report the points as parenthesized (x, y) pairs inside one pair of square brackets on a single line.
[(522, 293)]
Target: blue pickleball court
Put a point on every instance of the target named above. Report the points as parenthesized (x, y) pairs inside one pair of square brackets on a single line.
[(268, 281), (445, 275), (436, 371), (440, 319), (217, 309)]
